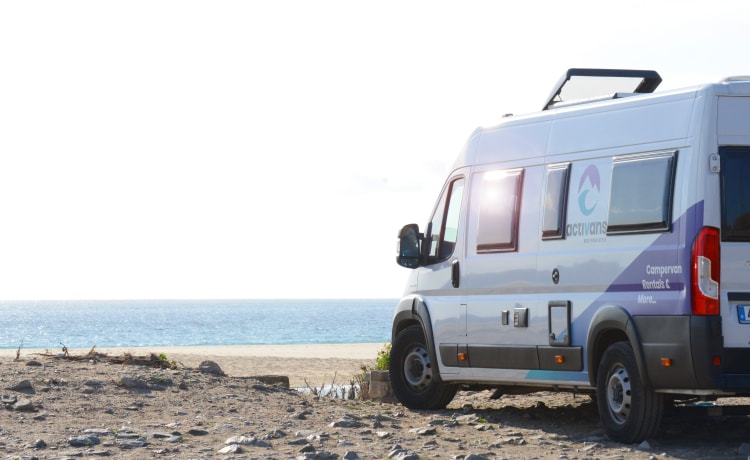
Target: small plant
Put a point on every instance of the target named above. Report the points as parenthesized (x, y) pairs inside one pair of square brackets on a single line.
[(383, 360), (18, 352), (331, 391), (382, 363), (92, 352), (165, 362), (64, 349), (161, 380)]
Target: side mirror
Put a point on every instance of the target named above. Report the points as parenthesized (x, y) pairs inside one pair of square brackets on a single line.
[(408, 246)]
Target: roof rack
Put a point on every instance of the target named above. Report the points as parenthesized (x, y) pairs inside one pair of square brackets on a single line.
[(580, 86)]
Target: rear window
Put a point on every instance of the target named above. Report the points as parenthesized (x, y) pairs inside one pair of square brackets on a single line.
[(735, 193)]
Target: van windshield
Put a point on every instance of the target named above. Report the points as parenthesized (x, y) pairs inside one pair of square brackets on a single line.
[(735, 193)]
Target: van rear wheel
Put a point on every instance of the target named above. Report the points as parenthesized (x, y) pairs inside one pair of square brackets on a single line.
[(414, 375), (629, 411)]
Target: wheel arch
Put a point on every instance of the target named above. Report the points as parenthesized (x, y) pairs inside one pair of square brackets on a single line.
[(609, 325), (411, 311)]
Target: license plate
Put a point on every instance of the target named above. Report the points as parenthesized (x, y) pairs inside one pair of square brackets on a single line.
[(743, 313)]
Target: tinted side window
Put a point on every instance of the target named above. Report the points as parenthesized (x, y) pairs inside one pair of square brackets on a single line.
[(499, 202), (443, 228), (735, 193), (641, 196), (555, 201)]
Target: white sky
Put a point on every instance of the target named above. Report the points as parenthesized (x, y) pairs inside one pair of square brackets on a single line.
[(253, 149)]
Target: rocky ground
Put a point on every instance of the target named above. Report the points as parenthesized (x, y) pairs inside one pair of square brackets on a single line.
[(130, 407)]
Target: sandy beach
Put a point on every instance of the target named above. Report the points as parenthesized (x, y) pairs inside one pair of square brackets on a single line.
[(305, 365)]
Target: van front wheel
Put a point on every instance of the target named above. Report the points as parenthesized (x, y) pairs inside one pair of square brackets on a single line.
[(629, 411), (414, 376)]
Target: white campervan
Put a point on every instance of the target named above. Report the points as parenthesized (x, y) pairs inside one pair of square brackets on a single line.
[(601, 244)]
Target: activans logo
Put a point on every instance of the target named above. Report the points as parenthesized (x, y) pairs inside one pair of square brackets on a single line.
[(589, 194), (588, 190)]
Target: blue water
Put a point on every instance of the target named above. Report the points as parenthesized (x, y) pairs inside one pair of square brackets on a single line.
[(136, 323)]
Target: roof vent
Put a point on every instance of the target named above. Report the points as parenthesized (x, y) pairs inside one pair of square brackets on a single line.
[(588, 85)]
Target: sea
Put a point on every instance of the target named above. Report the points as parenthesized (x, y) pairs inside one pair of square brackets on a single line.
[(53, 324)]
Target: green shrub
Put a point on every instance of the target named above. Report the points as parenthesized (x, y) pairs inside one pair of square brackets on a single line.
[(383, 360)]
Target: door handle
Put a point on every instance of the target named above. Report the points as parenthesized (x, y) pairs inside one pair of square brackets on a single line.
[(455, 274)]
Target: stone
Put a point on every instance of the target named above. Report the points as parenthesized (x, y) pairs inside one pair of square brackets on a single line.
[(468, 419), (319, 455), (307, 448), (347, 421), (399, 453), (83, 441), (301, 415), (231, 449), (131, 382), (279, 380), (38, 444), (242, 440), (512, 440), (132, 443), (23, 385), (379, 384), (23, 405), (210, 367)]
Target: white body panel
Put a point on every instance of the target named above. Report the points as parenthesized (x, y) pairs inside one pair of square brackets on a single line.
[(643, 271)]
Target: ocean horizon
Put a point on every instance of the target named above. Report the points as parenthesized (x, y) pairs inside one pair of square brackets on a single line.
[(52, 324)]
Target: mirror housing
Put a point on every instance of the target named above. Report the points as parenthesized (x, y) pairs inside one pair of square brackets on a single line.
[(409, 239)]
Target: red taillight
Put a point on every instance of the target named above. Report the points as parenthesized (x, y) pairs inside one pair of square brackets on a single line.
[(705, 272)]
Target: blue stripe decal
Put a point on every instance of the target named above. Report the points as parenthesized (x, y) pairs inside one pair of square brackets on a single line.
[(562, 376)]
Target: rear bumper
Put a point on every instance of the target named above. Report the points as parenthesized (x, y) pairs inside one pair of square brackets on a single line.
[(695, 347)]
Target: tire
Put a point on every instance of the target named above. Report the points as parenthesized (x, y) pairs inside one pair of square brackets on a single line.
[(414, 378), (629, 411)]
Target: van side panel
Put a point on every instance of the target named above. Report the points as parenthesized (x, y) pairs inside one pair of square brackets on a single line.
[(621, 124), (496, 325)]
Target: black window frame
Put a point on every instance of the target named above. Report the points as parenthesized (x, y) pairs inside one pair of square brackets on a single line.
[(512, 245), (443, 207), (562, 201), (665, 225), (727, 152)]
